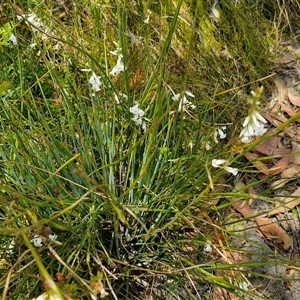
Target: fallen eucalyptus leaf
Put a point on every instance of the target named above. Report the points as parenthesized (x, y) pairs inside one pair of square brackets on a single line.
[(274, 231), (257, 163), (291, 172), (288, 204), (295, 99)]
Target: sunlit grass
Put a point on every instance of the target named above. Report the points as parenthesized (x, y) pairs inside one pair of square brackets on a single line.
[(131, 204)]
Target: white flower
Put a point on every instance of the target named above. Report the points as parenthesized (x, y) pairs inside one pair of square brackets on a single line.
[(103, 293), (233, 171), (116, 52), (215, 11), (207, 248), (245, 140), (244, 285), (207, 146), (117, 98), (11, 246), (119, 67), (138, 113), (254, 125), (221, 132), (217, 163), (183, 101), (259, 117), (52, 237), (138, 116), (32, 46), (146, 21), (124, 96), (35, 21), (37, 241), (13, 39), (190, 94), (95, 82)]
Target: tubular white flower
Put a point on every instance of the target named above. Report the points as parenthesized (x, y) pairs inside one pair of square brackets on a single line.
[(37, 241), (247, 120), (190, 94), (36, 24), (52, 237), (136, 111), (95, 82), (119, 67), (183, 101), (35, 21), (253, 126), (215, 11), (253, 94), (138, 116), (250, 129), (245, 139), (244, 286), (13, 39), (233, 171), (207, 248), (222, 134), (218, 162), (259, 116), (256, 122), (117, 51), (11, 246), (244, 132), (260, 131)]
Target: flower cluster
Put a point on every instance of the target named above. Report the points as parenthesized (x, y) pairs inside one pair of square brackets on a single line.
[(36, 24), (119, 67), (138, 115), (254, 124), (95, 81), (183, 101)]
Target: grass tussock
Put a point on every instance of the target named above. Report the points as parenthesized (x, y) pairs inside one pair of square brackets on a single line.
[(128, 196)]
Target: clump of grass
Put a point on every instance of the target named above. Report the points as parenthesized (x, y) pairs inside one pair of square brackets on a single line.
[(131, 206)]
